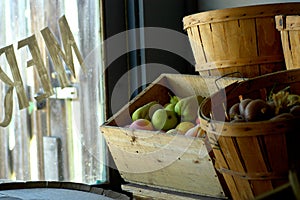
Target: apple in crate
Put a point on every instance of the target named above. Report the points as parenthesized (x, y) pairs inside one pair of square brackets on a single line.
[(141, 124), (195, 131), (183, 127)]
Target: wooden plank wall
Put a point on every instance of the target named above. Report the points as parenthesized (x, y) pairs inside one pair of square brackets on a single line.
[(22, 149), (14, 139), (5, 170), (89, 92)]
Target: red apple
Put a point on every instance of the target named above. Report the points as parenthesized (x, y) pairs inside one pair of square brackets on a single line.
[(197, 120), (141, 124)]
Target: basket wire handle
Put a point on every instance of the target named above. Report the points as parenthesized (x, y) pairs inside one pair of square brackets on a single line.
[(226, 75)]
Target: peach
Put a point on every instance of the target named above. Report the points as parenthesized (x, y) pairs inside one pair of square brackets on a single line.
[(141, 124), (195, 131)]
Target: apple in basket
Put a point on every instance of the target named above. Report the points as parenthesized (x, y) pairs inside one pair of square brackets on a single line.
[(141, 124)]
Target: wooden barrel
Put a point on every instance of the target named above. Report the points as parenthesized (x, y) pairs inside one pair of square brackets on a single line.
[(241, 39), (52, 190), (253, 157), (289, 27)]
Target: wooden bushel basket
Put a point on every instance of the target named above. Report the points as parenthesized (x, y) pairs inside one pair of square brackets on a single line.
[(254, 157), (289, 27), (242, 39)]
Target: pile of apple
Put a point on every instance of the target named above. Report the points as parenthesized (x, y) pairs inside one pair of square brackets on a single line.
[(179, 116)]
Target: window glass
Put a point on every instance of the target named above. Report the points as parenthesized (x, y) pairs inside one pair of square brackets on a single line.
[(51, 137)]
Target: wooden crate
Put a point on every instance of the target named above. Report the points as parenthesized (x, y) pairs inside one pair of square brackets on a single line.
[(174, 162), (289, 27), (254, 157), (241, 39)]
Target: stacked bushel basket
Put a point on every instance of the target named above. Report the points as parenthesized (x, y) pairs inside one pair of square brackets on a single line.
[(254, 157)]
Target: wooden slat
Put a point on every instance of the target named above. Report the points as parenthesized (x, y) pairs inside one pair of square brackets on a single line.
[(294, 42), (268, 44), (4, 150), (248, 37), (286, 49), (231, 156), (220, 161), (39, 118), (292, 23), (145, 192), (277, 159), (52, 158), (92, 156), (232, 32), (207, 41), (158, 159), (289, 29), (58, 121), (196, 39), (5, 157), (267, 37), (58, 124), (230, 153), (19, 125), (251, 153), (207, 47), (219, 39)]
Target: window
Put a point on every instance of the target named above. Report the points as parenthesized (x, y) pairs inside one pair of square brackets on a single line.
[(58, 137)]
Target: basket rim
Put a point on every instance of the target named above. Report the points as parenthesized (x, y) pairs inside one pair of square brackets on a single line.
[(242, 12), (249, 129), (223, 127)]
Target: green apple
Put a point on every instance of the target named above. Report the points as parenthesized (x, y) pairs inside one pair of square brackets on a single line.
[(187, 107), (170, 107), (172, 131), (164, 119), (154, 108)]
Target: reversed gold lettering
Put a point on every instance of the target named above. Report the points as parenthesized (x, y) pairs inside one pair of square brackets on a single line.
[(56, 52), (37, 61), (69, 43), (8, 100), (18, 83)]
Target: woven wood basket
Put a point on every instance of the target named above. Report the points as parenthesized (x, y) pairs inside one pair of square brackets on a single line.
[(242, 39), (253, 157), (289, 27)]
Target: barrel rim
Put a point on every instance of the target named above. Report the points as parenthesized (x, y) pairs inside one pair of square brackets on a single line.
[(242, 12), (64, 185)]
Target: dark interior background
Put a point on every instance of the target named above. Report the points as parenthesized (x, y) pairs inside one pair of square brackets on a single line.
[(120, 16)]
